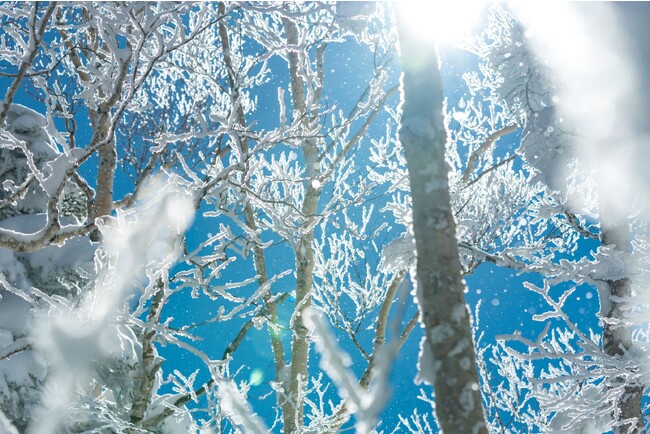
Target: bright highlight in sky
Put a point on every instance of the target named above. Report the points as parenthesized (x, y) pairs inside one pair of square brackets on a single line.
[(256, 377), (443, 21)]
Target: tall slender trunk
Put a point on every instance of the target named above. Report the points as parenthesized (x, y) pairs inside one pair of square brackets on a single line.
[(107, 164), (629, 138), (148, 367), (447, 357), (617, 333), (106, 178), (249, 215), (298, 375)]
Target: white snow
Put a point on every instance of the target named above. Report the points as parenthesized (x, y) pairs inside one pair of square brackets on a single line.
[(6, 426), (238, 410), (27, 125), (399, 254), (179, 423), (427, 365), (466, 399), (366, 405)]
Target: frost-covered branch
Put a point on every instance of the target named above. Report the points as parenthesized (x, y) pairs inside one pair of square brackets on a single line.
[(36, 32), (476, 155)]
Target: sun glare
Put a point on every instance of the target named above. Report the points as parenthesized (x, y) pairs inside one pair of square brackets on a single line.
[(442, 21)]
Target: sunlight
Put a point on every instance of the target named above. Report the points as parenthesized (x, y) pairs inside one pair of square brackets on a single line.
[(442, 21), (584, 63)]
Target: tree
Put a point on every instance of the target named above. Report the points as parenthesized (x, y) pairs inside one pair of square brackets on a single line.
[(555, 133), (443, 310), (180, 180), (120, 65)]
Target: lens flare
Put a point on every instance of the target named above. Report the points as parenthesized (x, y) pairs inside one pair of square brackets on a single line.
[(441, 21)]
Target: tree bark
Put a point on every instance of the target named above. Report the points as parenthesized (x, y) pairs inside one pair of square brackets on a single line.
[(148, 367), (440, 290), (616, 193), (298, 375), (249, 215), (617, 332)]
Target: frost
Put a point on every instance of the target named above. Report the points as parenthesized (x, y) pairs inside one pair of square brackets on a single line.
[(441, 333), (459, 116), (29, 126), (74, 337), (459, 313), (399, 254), (6, 426), (467, 398), (367, 405), (610, 264), (288, 173), (238, 409), (334, 361), (427, 366), (546, 148)]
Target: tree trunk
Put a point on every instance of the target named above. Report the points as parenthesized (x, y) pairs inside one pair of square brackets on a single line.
[(249, 214), (292, 409), (617, 332), (448, 349), (616, 193)]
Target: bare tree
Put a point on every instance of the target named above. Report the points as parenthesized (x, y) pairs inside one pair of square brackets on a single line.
[(275, 127), (447, 359)]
